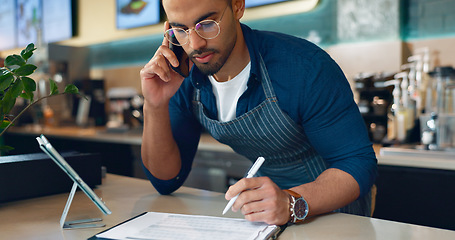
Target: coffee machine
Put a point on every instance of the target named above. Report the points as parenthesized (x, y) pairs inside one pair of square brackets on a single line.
[(124, 109), (374, 101)]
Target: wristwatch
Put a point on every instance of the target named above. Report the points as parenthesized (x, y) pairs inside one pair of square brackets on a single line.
[(298, 207)]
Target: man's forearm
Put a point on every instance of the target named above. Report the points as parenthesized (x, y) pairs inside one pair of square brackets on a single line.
[(333, 189), (160, 153)]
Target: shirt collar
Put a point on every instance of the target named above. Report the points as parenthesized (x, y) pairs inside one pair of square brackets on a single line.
[(199, 80), (251, 43)]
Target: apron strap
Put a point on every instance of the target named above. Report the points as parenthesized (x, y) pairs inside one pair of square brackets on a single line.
[(266, 83)]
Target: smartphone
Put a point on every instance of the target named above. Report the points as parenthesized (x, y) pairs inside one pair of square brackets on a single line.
[(183, 68)]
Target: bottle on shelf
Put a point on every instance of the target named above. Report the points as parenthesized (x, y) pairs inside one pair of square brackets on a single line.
[(396, 115), (424, 84), (407, 104)]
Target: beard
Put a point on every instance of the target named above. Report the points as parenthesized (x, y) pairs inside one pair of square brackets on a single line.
[(212, 68)]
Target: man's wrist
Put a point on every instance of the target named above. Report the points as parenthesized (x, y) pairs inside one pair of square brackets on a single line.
[(298, 207), (290, 199)]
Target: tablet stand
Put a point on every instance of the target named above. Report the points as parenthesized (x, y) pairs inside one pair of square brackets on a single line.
[(83, 223), (46, 146)]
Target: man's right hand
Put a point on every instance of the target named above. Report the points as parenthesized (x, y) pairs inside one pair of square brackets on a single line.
[(159, 82)]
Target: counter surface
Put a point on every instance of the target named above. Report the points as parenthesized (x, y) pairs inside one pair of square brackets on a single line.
[(38, 218), (207, 143), (101, 134), (96, 134)]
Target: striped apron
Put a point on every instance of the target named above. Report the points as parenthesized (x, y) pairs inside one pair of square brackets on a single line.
[(269, 132)]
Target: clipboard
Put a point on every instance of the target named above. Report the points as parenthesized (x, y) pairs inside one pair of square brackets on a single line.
[(46, 146), (152, 225), (94, 237)]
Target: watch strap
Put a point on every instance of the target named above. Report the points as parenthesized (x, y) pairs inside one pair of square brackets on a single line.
[(292, 193), (293, 197)]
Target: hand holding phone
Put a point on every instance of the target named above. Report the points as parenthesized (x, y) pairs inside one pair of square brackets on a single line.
[(183, 68), (158, 81)]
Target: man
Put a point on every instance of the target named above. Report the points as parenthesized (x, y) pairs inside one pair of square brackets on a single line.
[(264, 94)]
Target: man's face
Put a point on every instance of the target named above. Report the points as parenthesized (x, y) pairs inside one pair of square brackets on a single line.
[(209, 55)]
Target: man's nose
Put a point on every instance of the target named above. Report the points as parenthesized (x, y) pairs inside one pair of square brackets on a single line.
[(196, 41)]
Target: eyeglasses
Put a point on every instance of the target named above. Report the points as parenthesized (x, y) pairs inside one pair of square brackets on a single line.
[(207, 29)]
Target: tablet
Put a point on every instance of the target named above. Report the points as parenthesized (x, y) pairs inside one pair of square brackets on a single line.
[(46, 146)]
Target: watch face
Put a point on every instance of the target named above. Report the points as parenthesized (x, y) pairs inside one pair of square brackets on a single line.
[(300, 209)]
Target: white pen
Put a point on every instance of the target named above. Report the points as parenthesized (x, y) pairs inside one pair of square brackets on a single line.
[(250, 174)]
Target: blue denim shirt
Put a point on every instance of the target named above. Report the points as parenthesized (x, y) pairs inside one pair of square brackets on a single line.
[(311, 89)]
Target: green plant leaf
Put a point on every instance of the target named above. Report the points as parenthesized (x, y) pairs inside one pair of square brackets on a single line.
[(7, 103), (26, 55), (9, 99), (30, 47), (29, 88), (16, 88), (27, 95), (5, 81), (2, 114), (4, 124), (5, 148), (53, 86), (25, 70), (28, 51), (71, 88), (29, 84), (13, 60)]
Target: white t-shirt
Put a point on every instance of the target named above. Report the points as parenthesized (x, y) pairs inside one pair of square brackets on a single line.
[(228, 93)]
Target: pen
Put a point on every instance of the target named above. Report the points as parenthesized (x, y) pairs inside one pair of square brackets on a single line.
[(250, 174)]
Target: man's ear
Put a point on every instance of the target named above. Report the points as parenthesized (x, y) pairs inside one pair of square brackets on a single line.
[(238, 8)]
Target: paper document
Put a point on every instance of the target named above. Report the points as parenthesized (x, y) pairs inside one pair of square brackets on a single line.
[(154, 225)]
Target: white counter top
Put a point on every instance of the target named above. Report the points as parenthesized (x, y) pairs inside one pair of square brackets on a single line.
[(38, 218), (405, 157)]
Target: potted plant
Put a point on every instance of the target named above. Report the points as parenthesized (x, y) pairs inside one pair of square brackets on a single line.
[(15, 82)]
